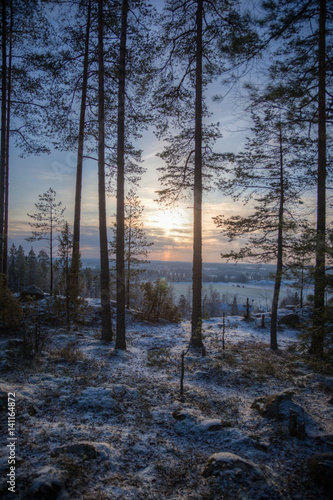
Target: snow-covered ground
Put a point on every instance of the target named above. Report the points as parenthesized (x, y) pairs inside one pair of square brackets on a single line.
[(93, 423)]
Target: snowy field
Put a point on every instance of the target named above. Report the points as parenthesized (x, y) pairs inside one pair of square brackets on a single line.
[(260, 294), (93, 423)]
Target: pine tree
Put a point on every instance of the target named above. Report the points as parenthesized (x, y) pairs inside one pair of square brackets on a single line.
[(12, 269), (120, 240), (32, 267), (43, 270), (48, 220), (270, 171), (136, 244), (304, 54), (104, 258), (23, 96), (79, 168), (21, 268), (3, 133), (72, 304), (195, 35)]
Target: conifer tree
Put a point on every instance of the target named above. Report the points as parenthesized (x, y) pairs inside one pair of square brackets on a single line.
[(47, 222), (271, 171), (32, 267), (104, 258), (24, 106), (302, 27), (79, 168), (136, 244), (195, 35)]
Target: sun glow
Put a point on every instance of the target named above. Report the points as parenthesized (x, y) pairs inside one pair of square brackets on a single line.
[(171, 220)]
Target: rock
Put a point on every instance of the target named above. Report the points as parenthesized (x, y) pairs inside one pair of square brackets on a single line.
[(269, 406), (47, 485), (320, 468), (32, 292), (212, 425), (220, 462), (330, 401), (84, 450), (179, 414), (291, 320)]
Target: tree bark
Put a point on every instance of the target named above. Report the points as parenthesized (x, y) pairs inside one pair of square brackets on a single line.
[(5, 241), (129, 256), (196, 335), (279, 264), (120, 248), (105, 281), (318, 331), (51, 248), (3, 132), (78, 189)]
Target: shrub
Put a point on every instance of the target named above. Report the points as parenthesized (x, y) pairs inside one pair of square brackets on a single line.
[(10, 309), (157, 302)]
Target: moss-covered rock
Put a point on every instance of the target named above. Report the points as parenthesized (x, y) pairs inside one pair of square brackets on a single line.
[(270, 406)]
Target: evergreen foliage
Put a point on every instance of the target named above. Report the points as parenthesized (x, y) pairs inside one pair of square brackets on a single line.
[(47, 222), (157, 302), (10, 309), (67, 304), (136, 245)]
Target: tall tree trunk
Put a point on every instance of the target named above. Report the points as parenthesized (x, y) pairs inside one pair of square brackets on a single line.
[(105, 280), (279, 264), (129, 256), (318, 331), (3, 132), (196, 335), (51, 250), (78, 189), (120, 248), (5, 230)]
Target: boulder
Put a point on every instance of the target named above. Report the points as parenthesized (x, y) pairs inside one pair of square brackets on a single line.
[(320, 468), (270, 406), (179, 414), (32, 292), (84, 450), (291, 320), (224, 461)]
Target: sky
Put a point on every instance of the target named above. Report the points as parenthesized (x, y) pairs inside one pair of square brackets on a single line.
[(170, 231)]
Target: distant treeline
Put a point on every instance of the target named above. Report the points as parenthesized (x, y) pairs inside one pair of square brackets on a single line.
[(34, 269), (174, 271)]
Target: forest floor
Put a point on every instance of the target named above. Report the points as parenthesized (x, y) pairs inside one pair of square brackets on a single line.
[(93, 423)]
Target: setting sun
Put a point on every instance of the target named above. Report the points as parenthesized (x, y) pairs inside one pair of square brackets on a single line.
[(171, 220)]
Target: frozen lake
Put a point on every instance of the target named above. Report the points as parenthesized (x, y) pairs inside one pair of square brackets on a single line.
[(260, 294)]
